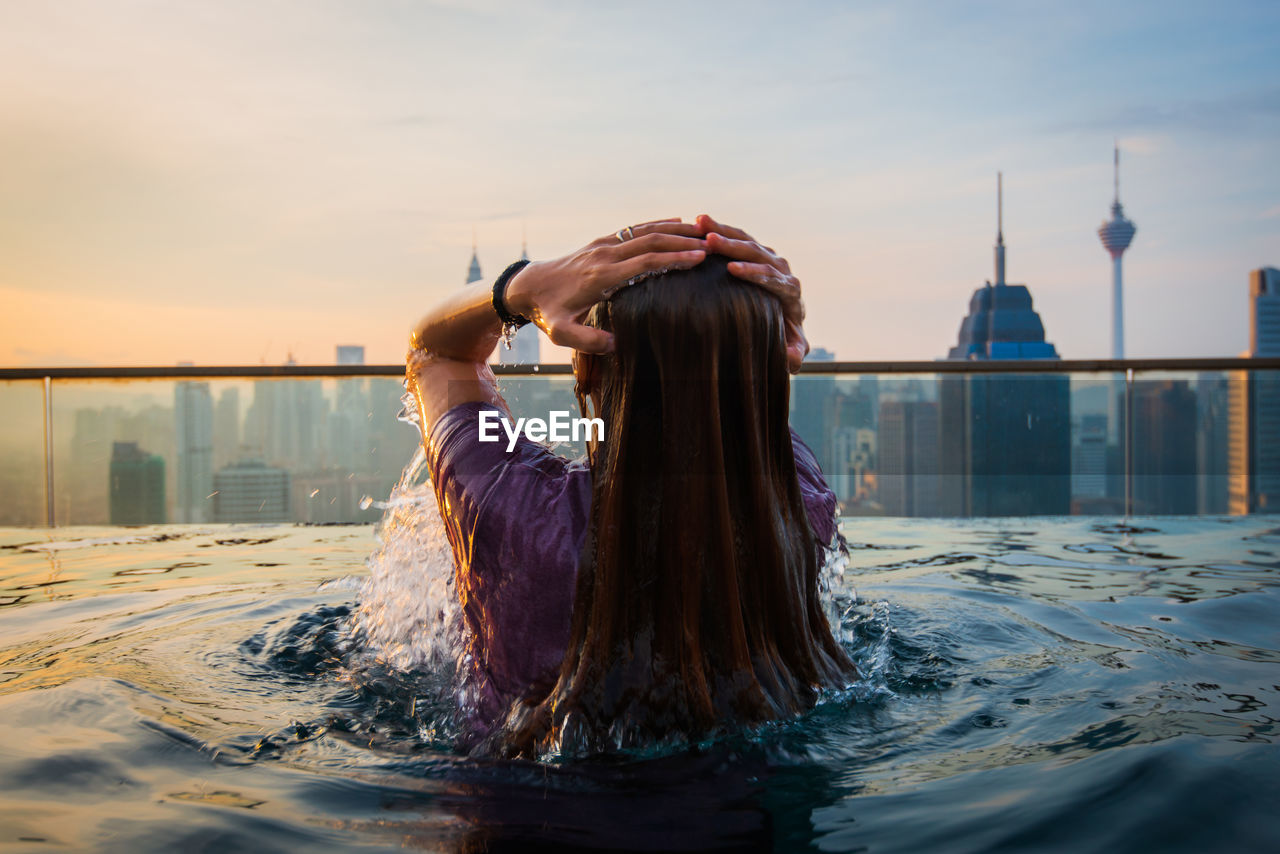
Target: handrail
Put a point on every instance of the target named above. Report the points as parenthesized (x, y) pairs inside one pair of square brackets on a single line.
[(1129, 368), (994, 366)]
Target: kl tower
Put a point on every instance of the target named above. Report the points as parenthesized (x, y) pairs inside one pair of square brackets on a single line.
[(1116, 235)]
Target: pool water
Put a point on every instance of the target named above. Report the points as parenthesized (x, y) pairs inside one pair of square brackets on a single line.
[(1063, 684)]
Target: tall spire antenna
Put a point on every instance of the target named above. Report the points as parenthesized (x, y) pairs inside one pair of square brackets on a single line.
[(1117, 170), (999, 229), (1000, 207), (524, 244)]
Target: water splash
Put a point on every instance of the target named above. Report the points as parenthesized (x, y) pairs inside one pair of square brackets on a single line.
[(409, 638), (409, 617), (838, 598), (869, 638)]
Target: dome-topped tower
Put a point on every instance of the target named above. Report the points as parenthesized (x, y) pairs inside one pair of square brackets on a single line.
[(1116, 235)]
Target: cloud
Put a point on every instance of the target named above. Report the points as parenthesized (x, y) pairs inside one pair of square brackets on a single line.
[(1231, 113)]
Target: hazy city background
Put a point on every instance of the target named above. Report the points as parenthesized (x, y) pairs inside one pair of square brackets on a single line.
[(223, 184)]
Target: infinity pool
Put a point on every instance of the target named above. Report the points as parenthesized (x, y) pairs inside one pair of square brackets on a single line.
[(1030, 685)]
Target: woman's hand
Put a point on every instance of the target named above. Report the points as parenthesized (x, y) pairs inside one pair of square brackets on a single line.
[(556, 295), (760, 265)]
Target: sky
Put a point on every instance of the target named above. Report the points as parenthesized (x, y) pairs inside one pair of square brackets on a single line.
[(237, 182)]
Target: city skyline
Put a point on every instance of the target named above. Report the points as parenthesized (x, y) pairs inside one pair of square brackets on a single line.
[(232, 184)]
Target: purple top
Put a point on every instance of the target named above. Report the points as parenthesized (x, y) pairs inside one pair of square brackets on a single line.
[(516, 522)]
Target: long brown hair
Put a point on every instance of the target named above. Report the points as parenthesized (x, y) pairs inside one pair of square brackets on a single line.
[(697, 605)]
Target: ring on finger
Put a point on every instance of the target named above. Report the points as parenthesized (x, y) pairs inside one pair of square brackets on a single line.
[(624, 234)]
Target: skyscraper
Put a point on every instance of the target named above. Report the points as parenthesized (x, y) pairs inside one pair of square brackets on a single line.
[(1089, 458), (350, 354), (1116, 235), (193, 435), (908, 458), (285, 422), (1213, 443), (1002, 323), (136, 486), (848, 418), (1253, 457), (86, 497), (226, 427), (1005, 440), (473, 271), (348, 432), (1164, 447), (1264, 313), (251, 491)]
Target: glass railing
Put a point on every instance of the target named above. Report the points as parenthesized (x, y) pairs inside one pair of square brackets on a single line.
[(936, 439)]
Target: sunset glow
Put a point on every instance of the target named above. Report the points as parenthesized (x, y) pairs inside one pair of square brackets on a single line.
[(231, 183)]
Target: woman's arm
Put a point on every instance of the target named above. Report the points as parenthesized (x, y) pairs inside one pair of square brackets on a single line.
[(451, 345), (462, 328), (448, 355)]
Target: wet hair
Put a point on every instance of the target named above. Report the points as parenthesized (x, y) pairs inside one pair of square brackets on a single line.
[(697, 608)]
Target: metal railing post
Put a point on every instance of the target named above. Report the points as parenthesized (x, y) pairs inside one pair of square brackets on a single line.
[(1128, 443), (48, 452)]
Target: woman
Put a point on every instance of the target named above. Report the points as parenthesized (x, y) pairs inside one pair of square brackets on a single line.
[(670, 590)]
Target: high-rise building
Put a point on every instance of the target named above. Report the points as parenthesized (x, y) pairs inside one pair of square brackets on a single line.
[(193, 437), (1116, 235), (86, 498), (1264, 313), (392, 443), (848, 416), (350, 354), (1089, 458), (1264, 391), (908, 446), (285, 421), (251, 491), (1164, 448), (136, 486), (1005, 440), (1213, 396), (226, 427), (84, 487), (473, 270), (331, 496), (1253, 456), (348, 432), (1002, 323), (863, 490)]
